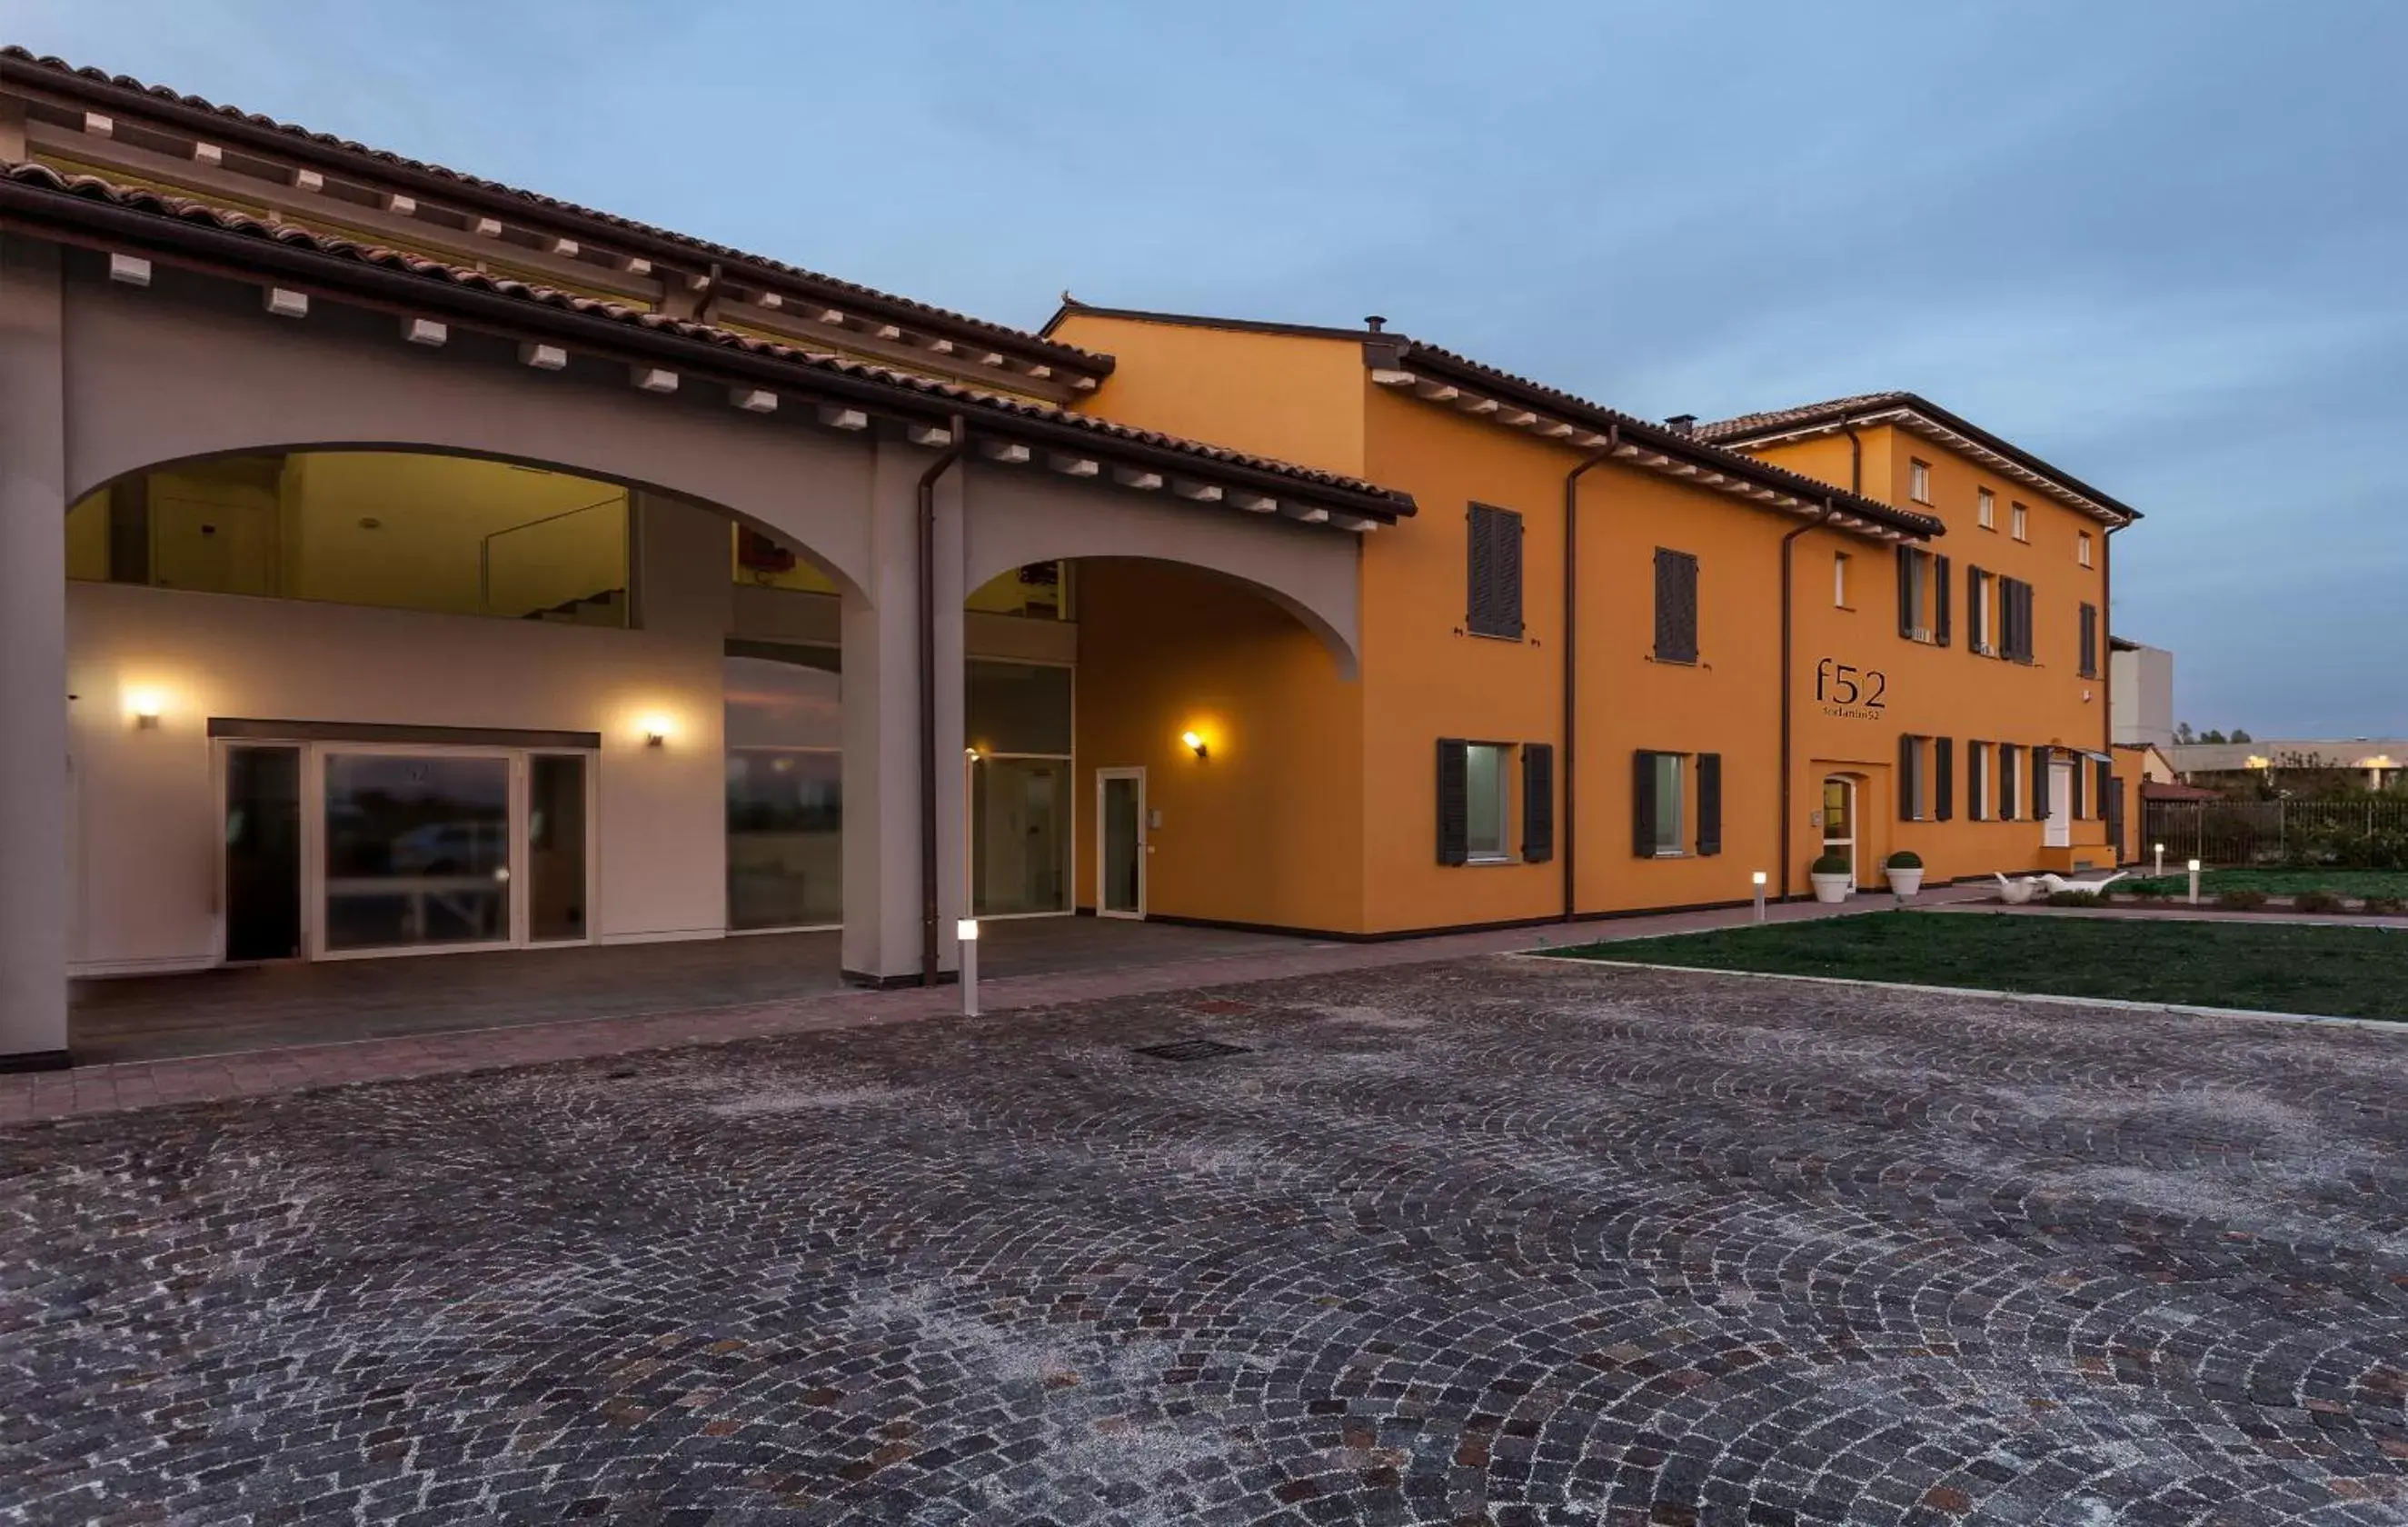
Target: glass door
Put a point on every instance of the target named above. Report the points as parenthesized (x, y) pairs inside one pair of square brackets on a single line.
[(1120, 842), (416, 851), (1839, 822), (263, 852), (556, 840), (1020, 836)]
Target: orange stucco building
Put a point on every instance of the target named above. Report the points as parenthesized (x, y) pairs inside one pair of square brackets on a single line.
[(1611, 665)]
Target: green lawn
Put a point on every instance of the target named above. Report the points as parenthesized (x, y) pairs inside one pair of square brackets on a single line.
[(2351, 971), (2350, 882)]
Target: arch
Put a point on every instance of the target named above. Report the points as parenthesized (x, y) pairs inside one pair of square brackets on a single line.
[(1012, 519), (150, 382)]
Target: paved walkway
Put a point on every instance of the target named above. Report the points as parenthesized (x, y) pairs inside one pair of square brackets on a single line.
[(558, 1035), (1513, 1243)]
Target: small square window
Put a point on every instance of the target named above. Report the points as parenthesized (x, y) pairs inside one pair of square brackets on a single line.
[(1839, 580), (1985, 510), (2022, 523), (1487, 793), (2082, 549), (1667, 802), (1919, 481)]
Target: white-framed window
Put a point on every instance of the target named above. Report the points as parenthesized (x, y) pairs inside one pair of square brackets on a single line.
[(1488, 795), (1985, 510), (2082, 549), (2021, 519), (1919, 481), (1669, 773), (1839, 580), (1977, 780), (1977, 612)]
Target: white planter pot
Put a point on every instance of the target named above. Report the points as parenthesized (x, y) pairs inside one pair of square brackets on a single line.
[(1905, 882), (1830, 888)]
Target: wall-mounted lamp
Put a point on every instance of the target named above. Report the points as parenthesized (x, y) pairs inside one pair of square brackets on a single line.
[(145, 705), (1194, 743), (657, 731)]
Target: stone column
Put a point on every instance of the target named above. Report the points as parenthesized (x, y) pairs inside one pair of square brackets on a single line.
[(881, 728), (34, 877)]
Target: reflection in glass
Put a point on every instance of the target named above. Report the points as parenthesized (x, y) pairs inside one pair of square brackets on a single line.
[(786, 837), (1020, 827), (417, 850), (555, 846), (1122, 850)]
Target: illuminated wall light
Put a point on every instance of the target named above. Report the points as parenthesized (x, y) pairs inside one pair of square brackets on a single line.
[(657, 731), (1192, 742), (144, 705)]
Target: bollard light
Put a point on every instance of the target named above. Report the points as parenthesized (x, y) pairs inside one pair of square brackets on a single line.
[(966, 930), (2194, 883), (2161, 858), (1759, 878)]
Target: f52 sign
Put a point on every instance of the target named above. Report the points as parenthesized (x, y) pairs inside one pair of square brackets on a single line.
[(1843, 689)]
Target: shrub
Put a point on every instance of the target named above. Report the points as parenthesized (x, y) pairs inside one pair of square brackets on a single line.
[(1829, 864), (2145, 890), (2073, 899), (2316, 902), (2389, 906), (1905, 859), (2241, 901)]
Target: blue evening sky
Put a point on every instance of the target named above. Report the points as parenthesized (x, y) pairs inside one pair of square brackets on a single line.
[(2164, 245)]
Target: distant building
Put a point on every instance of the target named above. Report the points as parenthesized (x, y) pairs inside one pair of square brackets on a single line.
[(2141, 692), (2384, 759)]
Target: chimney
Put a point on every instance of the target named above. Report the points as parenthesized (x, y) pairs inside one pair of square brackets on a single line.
[(1683, 423), (1375, 322)]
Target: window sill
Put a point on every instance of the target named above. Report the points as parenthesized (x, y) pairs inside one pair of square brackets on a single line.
[(1517, 638), (1677, 662), (1669, 853), (1488, 861)]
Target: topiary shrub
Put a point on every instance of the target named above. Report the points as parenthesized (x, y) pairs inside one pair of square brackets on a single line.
[(1905, 859), (2388, 906), (2317, 901), (1829, 864), (2241, 901)]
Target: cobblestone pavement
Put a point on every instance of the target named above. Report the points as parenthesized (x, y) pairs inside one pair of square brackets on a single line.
[(1497, 1241)]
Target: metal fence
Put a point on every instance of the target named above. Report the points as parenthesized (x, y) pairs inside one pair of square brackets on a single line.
[(2234, 832)]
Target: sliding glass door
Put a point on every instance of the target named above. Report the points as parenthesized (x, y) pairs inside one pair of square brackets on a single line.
[(417, 850)]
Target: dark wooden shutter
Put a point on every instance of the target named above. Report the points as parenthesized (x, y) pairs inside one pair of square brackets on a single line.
[(2104, 800), (1642, 804), (2112, 793), (2077, 786), (1943, 779), (1493, 597), (1676, 607), (1978, 634), (1538, 802), (2022, 622), (1977, 783), (2040, 784), (2008, 763), (1453, 802), (1710, 803), (1910, 755), (1906, 591), (1508, 573), (1940, 597), (2090, 641)]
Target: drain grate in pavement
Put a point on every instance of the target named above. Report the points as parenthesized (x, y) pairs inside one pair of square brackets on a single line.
[(1190, 1049)]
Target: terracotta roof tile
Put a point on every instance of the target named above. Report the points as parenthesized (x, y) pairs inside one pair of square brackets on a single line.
[(92, 188), (1750, 424), (554, 205)]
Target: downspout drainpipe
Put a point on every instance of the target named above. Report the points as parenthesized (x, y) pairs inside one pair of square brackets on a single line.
[(1570, 849), (1788, 603), (1855, 460), (955, 444)]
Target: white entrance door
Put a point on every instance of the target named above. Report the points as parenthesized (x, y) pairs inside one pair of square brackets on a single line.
[(1120, 842), (2060, 806), (1839, 822)]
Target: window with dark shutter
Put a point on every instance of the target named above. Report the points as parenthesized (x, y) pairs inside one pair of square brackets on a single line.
[(1538, 802), (2090, 641), (1910, 777), (1494, 595), (1943, 779), (1453, 802), (1676, 607), (2077, 786), (2113, 795), (1977, 614), (1642, 804), (1977, 781), (2023, 623), (1906, 580), (2010, 759), (2107, 796), (1710, 803), (2040, 784), (1940, 593)]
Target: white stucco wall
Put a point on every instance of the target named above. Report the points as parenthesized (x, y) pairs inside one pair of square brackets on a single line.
[(145, 817)]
